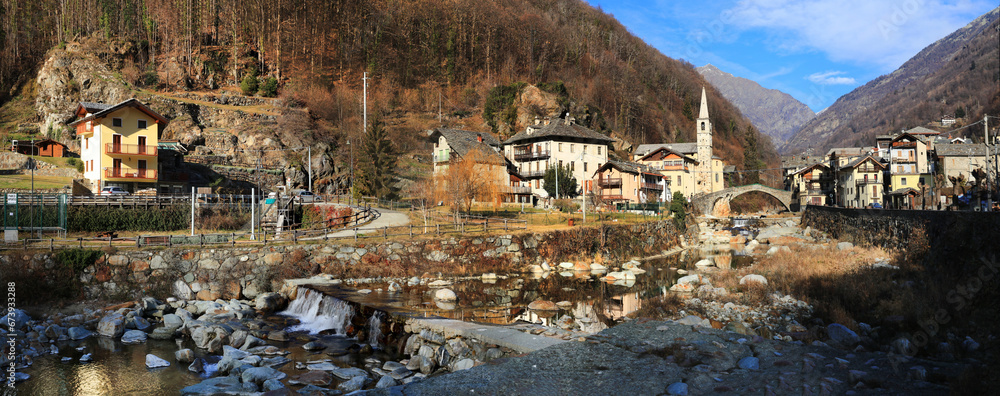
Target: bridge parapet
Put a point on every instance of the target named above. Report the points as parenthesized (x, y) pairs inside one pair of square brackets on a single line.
[(706, 203)]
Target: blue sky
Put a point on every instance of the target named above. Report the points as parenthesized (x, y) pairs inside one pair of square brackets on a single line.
[(814, 50)]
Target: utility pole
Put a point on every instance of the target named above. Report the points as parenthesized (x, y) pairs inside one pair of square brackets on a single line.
[(310, 152), (364, 127), (989, 171)]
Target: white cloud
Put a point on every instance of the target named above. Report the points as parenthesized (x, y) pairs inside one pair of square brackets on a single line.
[(883, 32), (831, 78)]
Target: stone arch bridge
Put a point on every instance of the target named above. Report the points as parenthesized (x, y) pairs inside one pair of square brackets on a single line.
[(717, 203)]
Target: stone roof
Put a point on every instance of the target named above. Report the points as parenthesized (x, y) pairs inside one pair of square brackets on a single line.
[(799, 161), (630, 167), (859, 160), (810, 167), (959, 150), (94, 107), (461, 141), (558, 128), (668, 149), (683, 148), (848, 151), (922, 131)]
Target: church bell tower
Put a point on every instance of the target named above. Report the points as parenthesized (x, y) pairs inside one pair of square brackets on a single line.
[(704, 169)]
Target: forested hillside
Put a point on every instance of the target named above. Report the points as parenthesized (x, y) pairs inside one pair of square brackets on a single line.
[(958, 75), (433, 58)]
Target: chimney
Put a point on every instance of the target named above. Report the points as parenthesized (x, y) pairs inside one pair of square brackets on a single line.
[(547, 120), (570, 120), (537, 120), (479, 137)]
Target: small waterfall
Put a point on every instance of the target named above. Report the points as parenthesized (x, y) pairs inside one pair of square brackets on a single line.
[(317, 312), (375, 329), (737, 222)]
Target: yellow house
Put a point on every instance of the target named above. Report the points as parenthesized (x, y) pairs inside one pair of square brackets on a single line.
[(812, 185), (118, 144)]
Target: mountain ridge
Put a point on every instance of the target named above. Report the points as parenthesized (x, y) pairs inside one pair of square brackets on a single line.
[(775, 113), (959, 73)]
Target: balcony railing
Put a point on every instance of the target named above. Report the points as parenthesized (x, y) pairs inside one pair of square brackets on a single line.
[(652, 186), (438, 157), (129, 149), (538, 174), (518, 190), (531, 156), (904, 159), (611, 197), (873, 180), (814, 192), (610, 182), (129, 173)]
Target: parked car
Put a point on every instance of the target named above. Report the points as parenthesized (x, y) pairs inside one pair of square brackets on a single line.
[(113, 191), (874, 205), (305, 196)]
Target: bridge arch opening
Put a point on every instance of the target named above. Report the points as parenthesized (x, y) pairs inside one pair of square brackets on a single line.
[(754, 202)]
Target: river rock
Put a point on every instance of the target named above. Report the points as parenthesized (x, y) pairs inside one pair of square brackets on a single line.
[(184, 356), (112, 325), (78, 333), (172, 321), (545, 266), (137, 323), (134, 337), (268, 302), (749, 363), (162, 333), (689, 279), (353, 384), (220, 386), (704, 263), (278, 335), (153, 361), (272, 385), (597, 267), (258, 375), (349, 373), (842, 336), (233, 353), (566, 265), (385, 382), (445, 295), (739, 328), (543, 305), (845, 246), (87, 357), (274, 362), (197, 366), (753, 278), (678, 389), (313, 346), (462, 364)]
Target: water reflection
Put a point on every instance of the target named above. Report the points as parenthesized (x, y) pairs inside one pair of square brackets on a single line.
[(504, 300)]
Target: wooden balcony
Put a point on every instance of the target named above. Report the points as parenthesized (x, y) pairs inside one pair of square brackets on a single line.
[(611, 197), (615, 182), (442, 158), (873, 180), (119, 150), (129, 174), (652, 186), (518, 190), (531, 156)]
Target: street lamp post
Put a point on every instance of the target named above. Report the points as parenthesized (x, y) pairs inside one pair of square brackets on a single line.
[(349, 199)]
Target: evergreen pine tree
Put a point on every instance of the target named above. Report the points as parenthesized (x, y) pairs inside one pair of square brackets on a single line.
[(378, 161)]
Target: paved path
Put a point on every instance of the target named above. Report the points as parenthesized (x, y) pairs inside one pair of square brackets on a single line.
[(500, 335), (386, 218)]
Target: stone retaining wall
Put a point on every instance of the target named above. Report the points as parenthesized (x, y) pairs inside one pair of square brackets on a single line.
[(895, 229), (227, 273)]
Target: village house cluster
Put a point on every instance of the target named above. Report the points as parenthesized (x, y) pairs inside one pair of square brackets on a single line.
[(519, 164), (917, 168)]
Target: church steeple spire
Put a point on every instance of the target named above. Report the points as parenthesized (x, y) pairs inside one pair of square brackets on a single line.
[(703, 113)]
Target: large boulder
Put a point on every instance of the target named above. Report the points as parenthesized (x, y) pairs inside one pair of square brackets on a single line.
[(134, 337), (753, 278), (841, 336), (445, 295), (153, 361), (70, 76), (112, 325), (258, 375), (268, 302)]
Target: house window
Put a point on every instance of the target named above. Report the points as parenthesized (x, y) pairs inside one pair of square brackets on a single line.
[(571, 147), (678, 180), (572, 165), (703, 126), (116, 122), (537, 184), (598, 150), (902, 181), (716, 177), (584, 166), (560, 147), (86, 143), (142, 124), (585, 149)]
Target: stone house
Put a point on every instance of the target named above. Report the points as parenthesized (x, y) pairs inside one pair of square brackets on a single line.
[(678, 170), (954, 160), (473, 157), (909, 164)]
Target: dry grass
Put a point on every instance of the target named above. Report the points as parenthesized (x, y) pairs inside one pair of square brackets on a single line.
[(840, 284)]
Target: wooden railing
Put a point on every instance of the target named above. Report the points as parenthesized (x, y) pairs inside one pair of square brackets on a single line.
[(129, 149), (531, 156), (129, 173), (615, 182)]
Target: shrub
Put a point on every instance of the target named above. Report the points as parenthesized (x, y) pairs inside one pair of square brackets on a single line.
[(75, 163), (78, 259), (499, 100), (566, 205), (249, 85), (151, 79), (677, 208), (98, 219), (222, 219), (270, 87)]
